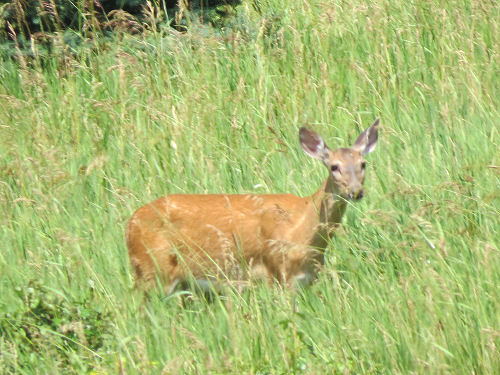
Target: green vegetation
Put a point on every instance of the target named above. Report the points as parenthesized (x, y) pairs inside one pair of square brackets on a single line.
[(411, 284), (26, 20)]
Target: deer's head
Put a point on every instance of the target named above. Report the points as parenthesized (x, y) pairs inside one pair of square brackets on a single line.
[(346, 166)]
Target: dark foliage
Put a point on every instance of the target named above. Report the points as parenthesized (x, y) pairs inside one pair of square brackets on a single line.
[(32, 18), (45, 321)]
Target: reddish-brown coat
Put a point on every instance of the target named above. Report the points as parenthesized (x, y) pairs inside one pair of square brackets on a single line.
[(240, 237)]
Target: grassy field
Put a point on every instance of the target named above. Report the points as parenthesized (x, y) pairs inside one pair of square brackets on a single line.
[(412, 280)]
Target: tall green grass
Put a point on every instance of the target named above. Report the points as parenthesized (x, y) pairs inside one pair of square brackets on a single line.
[(411, 283)]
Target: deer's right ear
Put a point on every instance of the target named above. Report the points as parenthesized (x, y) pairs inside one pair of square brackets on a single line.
[(313, 144)]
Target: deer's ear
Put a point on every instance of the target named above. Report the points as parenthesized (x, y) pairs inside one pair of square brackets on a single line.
[(313, 144), (367, 140)]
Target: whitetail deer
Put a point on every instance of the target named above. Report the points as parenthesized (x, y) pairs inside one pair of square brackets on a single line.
[(278, 237)]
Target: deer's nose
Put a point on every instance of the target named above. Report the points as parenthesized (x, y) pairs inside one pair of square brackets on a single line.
[(358, 195)]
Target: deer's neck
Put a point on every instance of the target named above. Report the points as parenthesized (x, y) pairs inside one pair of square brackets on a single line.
[(329, 206), (329, 209)]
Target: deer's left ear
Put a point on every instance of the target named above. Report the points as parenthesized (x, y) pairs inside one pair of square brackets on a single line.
[(367, 140)]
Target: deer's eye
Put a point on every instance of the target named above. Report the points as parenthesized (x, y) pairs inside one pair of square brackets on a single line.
[(363, 165), (335, 168)]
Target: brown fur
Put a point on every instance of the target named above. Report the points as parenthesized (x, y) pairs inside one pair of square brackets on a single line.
[(240, 237)]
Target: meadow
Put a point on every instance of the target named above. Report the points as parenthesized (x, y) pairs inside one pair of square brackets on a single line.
[(411, 283)]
